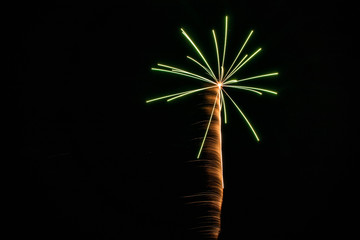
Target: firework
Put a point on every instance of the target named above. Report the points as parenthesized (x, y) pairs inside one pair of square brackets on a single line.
[(215, 85)]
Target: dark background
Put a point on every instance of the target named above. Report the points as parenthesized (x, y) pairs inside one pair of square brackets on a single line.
[(93, 160)]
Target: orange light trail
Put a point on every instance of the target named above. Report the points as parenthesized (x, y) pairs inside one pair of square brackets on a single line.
[(211, 158)]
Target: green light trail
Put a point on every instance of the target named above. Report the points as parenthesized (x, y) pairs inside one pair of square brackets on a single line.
[(227, 77), (190, 92), (207, 70), (237, 68), (223, 105), (245, 88), (217, 53), (179, 94), (167, 96), (253, 88), (225, 40), (186, 72), (183, 73), (199, 52), (247, 39), (247, 121), (250, 78), (207, 129)]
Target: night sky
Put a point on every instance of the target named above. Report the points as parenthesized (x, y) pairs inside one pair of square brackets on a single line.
[(92, 160)]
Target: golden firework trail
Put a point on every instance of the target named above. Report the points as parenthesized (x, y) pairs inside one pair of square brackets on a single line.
[(211, 145)]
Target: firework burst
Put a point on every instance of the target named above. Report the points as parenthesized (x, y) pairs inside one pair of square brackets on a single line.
[(215, 85)]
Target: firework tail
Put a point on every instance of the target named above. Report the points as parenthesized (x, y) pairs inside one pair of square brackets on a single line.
[(213, 153), (210, 200)]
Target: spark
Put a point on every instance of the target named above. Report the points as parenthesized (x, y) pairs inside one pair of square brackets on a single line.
[(223, 106), (217, 52), (199, 52), (253, 89), (171, 96), (237, 68), (247, 121), (184, 73), (207, 70), (189, 92), (247, 39), (250, 78), (245, 88), (207, 129), (225, 40)]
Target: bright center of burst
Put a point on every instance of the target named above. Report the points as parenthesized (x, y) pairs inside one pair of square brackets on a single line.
[(219, 84)]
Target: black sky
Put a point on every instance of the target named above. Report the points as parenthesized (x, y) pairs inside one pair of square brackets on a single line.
[(97, 162)]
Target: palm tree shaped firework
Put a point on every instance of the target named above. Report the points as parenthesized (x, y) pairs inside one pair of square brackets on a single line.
[(215, 87)]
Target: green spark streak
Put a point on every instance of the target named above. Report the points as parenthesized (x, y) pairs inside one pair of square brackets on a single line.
[(207, 129), (190, 92), (244, 88), (250, 78), (230, 82), (225, 40), (199, 52), (222, 73), (217, 52), (223, 105), (240, 66), (183, 73), (178, 94), (207, 70), (163, 97), (247, 121), (254, 88), (227, 77), (247, 39)]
